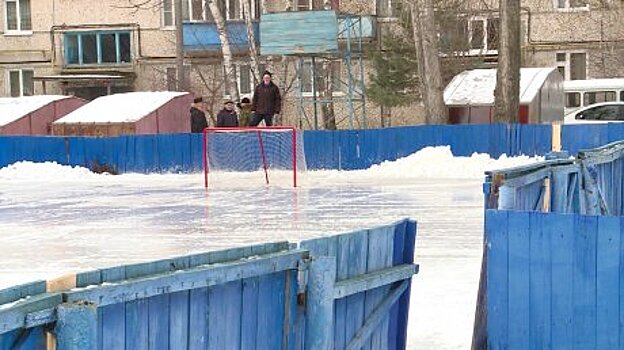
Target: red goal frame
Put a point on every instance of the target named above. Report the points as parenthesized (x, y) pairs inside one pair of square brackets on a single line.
[(258, 131)]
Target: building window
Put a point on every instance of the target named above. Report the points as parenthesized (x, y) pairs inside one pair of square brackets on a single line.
[(571, 4), (388, 8), (199, 11), (572, 65), (244, 78), (21, 82), (172, 77), (97, 48), (18, 15), (483, 34), (589, 98)]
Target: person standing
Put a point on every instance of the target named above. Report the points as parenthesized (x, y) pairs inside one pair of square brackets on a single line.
[(198, 116), (245, 111), (227, 117), (266, 101)]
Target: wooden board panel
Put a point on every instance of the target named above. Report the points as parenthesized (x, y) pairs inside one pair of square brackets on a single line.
[(299, 33)]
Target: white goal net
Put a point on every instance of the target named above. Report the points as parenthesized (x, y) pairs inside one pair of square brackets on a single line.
[(273, 155)]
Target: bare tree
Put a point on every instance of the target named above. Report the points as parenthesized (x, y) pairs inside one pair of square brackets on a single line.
[(230, 70), (326, 93), (426, 33), (507, 93), (251, 39)]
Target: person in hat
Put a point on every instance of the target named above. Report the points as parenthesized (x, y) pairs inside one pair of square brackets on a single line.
[(198, 116), (227, 117), (266, 101), (245, 111)]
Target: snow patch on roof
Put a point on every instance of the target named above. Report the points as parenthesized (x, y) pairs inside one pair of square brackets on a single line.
[(120, 108), (476, 87), (14, 108)]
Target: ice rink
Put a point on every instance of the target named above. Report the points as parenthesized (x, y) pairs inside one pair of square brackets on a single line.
[(57, 219)]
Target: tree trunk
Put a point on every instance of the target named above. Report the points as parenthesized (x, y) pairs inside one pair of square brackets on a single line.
[(434, 99), (386, 117), (182, 84), (327, 108), (417, 30), (251, 36), (230, 71), (507, 93)]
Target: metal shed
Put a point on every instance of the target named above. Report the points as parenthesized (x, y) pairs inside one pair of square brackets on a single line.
[(32, 115), (470, 96), (153, 112)]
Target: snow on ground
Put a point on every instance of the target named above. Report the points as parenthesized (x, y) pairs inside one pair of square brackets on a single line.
[(57, 219)]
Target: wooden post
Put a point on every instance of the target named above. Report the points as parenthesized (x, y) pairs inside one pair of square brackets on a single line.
[(320, 304), (76, 326)]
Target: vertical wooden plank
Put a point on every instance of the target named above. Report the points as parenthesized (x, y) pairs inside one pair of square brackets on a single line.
[(621, 285), (179, 320), (585, 282), (158, 323), (497, 236), (560, 228), (290, 311), (113, 316), (320, 304), (540, 283), (137, 320), (397, 258), (358, 252), (225, 316), (249, 321), (270, 311), (76, 326), (607, 283), (376, 259), (198, 319), (340, 307), (518, 293)]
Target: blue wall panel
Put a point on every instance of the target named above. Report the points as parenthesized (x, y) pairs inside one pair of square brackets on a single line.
[(344, 149)]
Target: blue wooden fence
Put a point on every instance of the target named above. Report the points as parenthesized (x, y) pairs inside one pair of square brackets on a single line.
[(344, 149), (269, 296), (554, 281)]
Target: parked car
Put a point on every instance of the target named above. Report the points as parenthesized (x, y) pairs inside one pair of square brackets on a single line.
[(605, 112)]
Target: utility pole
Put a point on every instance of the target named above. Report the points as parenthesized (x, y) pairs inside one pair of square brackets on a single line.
[(181, 80)]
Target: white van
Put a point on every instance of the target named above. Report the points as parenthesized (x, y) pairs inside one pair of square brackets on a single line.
[(583, 93)]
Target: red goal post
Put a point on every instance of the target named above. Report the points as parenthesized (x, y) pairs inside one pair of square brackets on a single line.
[(246, 149)]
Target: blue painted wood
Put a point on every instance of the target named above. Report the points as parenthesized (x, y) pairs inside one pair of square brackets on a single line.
[(497, 240), (270, 311), (518, 293), (249, 315), (540, 292), (198, 319), (358, 254), (179, 320), (224, 316), (298, 33), (113, 320), (76, 326), (15, 293), (15, 317), (607, 283), (291, 311), (158, 322), (320, 304), (584, 285), (137, 323)]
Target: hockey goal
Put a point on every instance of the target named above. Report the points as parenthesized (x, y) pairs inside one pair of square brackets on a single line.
[(274, 152)]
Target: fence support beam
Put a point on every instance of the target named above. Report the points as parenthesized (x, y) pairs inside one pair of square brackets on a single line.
[(76, 326), (320, 304)]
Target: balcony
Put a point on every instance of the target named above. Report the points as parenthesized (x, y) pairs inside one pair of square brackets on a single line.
[(202, 38)]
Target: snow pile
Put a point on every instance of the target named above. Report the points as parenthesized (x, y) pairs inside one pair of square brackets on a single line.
[(24, 171), (438, 163)]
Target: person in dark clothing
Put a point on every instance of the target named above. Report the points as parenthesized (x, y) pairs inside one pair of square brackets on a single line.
[(267, 101), (227, 116), (198, 117), (245, 111)]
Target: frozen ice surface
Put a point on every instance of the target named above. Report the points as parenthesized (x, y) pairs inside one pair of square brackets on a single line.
[(58, 219)]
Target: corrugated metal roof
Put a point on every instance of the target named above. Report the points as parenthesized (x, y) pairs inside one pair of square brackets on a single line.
[(120, 108)]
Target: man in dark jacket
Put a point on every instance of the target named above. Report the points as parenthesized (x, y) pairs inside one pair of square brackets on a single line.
[(227, 116), (267, 101), (198, 117)]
